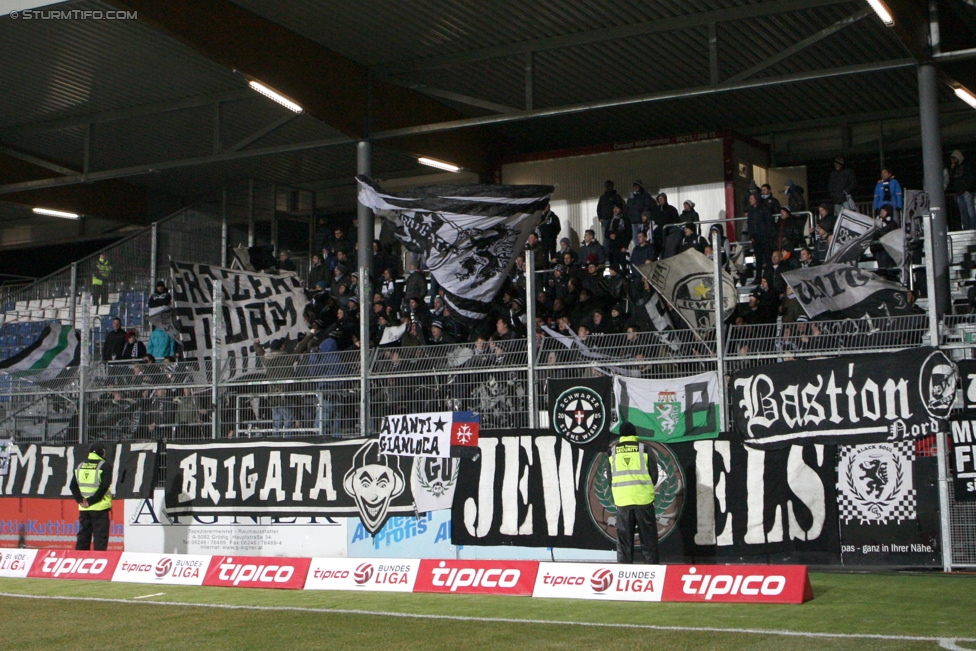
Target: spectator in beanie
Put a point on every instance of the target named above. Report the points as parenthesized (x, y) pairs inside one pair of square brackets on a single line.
[(134, 349)]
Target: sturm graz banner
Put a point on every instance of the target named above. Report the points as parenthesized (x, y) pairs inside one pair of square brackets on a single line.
[(288, 478), (967, 379), (46, 470), (579, 410), (527, 488), (470, 234), (846, 400), (254, 306)]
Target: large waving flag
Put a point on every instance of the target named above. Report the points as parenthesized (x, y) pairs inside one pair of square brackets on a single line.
[(470, 234), (52, 352)]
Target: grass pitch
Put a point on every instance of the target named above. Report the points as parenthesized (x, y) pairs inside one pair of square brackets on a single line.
[(849, 611)]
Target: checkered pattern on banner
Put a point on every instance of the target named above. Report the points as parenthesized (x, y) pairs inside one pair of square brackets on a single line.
[(854, 503)]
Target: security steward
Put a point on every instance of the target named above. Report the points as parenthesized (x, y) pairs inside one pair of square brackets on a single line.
[(633, 475), (90, 487)]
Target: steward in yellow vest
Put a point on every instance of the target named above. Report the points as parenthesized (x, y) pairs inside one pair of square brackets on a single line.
[(633, 475), (91, 488)]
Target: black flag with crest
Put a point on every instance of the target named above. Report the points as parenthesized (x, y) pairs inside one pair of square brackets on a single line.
[(469, 234)]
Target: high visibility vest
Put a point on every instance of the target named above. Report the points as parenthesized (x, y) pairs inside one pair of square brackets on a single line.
[(104, 270), (88, 474), (630, 478)]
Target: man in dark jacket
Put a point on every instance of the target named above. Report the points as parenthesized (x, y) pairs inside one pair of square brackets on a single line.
[(548, 229), (618, 238), (766, 196), (90, 486), (604, 207), (161, 297), (962, 183), (762, 232), (639, 203), (840, 184), (114, 342)]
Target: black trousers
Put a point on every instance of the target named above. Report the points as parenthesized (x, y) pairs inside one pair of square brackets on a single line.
[(93, 524), (643, 519)]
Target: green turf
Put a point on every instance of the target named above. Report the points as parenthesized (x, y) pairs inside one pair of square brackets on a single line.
[(888, 604)]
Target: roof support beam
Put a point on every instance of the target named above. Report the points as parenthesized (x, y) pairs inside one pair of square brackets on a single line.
[(262, 132), (751, 11), (682, 93), (457, 97), (800, 46), (455, 125), (124, 114), (860, 118), (330, 87), (34, 160)]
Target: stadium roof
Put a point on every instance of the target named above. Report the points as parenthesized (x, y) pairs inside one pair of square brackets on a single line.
[(162, 101)]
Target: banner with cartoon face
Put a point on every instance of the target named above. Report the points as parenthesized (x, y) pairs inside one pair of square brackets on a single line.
[(288, 478), (845, 400)]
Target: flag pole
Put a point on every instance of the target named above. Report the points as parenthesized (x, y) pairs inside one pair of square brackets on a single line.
[(719, 323)]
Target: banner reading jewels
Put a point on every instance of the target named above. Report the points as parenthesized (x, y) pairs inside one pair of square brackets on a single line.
[(288, 478), (846, 400), (47, 470), (527, 488)]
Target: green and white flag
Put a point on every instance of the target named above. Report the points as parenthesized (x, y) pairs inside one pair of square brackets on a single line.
[(669, 411), (52, 352)]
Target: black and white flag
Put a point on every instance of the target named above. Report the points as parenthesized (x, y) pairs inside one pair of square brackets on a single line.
[(687, 283), (470, 234), (47, 470), (852, 236), (845, 400), (964, 456), (840, 291), (254, 306)]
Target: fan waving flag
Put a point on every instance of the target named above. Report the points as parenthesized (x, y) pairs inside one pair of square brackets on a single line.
[(52, 352), (469, 234)]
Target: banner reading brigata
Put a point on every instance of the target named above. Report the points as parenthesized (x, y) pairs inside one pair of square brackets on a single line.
[(287, 478), (47, 470), (428, 435), (254, 305), (846, 400)]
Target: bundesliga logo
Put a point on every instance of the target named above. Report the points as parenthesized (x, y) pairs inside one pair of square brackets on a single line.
[(579, 415)]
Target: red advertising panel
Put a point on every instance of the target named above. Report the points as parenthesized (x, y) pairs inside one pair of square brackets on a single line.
[(763, 584), (70, 564), (257, 572), (44, 523), (477, 577)]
